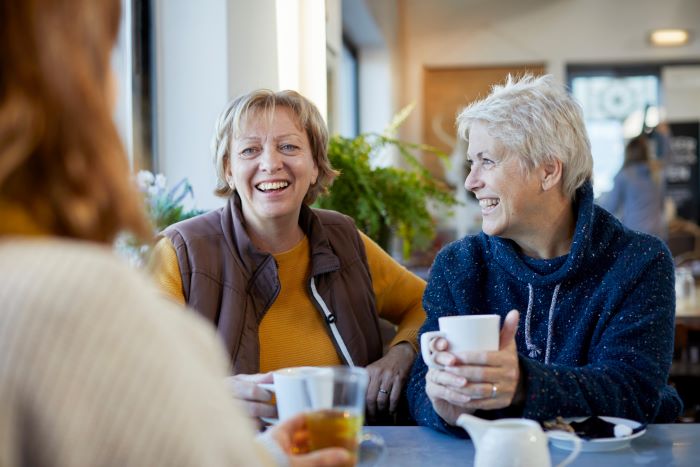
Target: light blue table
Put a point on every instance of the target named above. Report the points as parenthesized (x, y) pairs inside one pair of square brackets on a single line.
[(661, 445)]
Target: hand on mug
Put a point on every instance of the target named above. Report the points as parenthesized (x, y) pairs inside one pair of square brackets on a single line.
[(471, 380), (256, 399)]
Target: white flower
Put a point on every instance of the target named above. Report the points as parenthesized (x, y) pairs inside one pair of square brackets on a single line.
[(144, 179), (160, 181)]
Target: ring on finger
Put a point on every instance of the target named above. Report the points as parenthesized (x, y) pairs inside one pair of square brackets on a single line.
[(383, 391), (494, 390)]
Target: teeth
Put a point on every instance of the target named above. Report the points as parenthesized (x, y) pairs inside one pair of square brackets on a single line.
[(265, 186), (488, 202)]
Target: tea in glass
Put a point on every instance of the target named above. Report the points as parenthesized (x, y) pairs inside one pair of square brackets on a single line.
[(334, 428)]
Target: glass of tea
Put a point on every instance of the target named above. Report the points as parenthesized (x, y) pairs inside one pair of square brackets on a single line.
[(335, 397)]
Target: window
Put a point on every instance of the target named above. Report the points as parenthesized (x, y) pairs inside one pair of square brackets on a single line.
[(349, 98), (618, 104), (134, 68)]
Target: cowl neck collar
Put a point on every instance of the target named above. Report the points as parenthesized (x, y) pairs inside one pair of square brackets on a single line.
[(506, 253)]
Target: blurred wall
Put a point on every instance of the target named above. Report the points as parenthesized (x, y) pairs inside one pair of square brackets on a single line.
[(448, 33), (208, 52), (192, 87)]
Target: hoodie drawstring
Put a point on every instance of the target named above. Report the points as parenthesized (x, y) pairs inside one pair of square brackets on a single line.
[(533, 350)]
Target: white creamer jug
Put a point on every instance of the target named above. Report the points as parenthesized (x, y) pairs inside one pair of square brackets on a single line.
[(511, 442)]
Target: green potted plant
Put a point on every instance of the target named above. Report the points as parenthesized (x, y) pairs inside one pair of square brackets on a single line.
[(386, 200)]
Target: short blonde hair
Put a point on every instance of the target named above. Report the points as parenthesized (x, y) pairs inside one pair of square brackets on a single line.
[(537, 121), (261, 104)]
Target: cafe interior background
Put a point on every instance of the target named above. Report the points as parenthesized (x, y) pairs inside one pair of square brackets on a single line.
[(362, 61)]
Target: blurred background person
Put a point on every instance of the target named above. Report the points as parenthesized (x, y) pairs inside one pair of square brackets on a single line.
[(637, 197), (96, 368), (287, 285)]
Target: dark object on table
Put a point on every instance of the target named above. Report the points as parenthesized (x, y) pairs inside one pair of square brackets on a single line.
[(592, 428)]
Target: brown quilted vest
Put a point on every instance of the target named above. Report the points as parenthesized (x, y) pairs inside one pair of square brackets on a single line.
[(232, 284)]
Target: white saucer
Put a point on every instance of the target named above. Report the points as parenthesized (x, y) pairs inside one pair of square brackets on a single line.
[(599, 444)]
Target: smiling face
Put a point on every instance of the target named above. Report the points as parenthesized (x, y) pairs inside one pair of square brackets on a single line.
[(272, 168), (508, 196)]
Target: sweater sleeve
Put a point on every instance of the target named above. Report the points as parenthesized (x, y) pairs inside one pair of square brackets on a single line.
[(100, 370), (398, 293), (165, 269), (628, 363), (437, 302)]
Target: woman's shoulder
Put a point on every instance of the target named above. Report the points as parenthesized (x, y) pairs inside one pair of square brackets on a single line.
[(330, 217), (333, 226), (72, 258), (464, 251), (78, 280), (70, 275), (624, 245), (206, 224)]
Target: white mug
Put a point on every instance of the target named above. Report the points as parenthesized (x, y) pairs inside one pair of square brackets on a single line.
[(298, 389), (463, 333)]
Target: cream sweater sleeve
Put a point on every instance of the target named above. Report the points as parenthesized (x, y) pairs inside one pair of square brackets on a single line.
[(96, 368)]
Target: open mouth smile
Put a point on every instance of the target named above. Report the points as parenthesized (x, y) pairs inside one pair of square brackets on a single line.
[(488, 204), (267, 187)]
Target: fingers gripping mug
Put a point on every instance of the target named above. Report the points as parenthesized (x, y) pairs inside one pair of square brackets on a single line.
[(463, 333)]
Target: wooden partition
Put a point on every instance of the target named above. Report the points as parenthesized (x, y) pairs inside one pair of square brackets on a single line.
[(447, 90)]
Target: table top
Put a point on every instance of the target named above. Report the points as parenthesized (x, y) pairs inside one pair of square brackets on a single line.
[(662, 445)]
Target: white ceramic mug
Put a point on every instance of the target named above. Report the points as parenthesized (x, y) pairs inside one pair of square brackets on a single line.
[(463, 333), (333, 401), (295, 387)]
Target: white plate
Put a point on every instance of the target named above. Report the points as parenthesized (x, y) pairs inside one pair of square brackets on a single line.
[(600, 444)]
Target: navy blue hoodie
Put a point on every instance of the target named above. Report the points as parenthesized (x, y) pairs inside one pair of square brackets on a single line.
[(596, 326)]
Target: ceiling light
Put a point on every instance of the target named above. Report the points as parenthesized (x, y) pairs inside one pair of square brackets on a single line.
[(669, 37)]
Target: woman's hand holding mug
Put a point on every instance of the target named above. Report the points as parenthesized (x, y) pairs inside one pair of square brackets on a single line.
[(467, 371)]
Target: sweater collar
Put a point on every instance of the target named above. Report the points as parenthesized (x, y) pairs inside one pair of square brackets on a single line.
[(17, 220), (506, 254)]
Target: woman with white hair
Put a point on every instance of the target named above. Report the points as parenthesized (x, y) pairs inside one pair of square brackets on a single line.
[(597, 299)]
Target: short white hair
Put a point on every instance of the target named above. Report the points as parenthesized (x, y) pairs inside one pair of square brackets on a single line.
[(537, 121)]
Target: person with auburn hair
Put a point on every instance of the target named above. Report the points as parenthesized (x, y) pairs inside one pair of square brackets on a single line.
[(96, 368), (597, 300), (285, 284)]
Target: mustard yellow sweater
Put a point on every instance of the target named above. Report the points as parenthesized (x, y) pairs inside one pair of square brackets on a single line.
[(293, 333)]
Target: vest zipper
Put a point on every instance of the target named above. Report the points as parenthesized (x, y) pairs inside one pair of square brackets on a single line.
[(330, 319)]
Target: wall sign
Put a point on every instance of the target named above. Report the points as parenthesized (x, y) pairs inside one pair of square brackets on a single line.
[(682, 171)]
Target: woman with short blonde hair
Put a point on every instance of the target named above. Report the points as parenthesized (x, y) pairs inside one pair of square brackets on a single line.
[(284, 283)]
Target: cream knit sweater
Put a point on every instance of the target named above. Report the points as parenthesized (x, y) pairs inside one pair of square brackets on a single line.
[(96, 369)]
